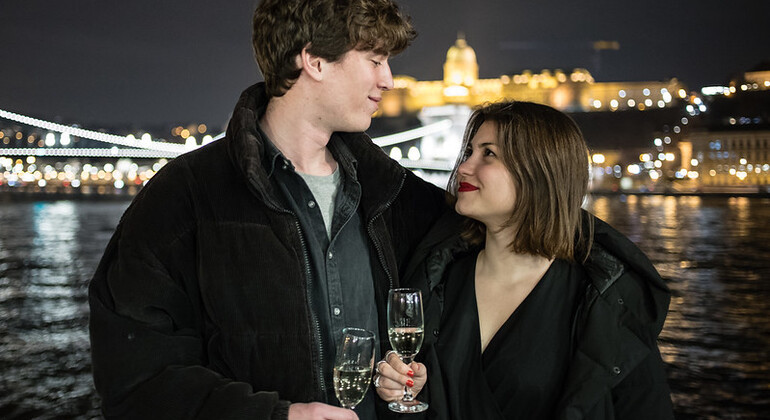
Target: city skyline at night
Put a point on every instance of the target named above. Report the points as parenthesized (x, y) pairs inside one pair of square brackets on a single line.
[(180, 62), (648, 151)]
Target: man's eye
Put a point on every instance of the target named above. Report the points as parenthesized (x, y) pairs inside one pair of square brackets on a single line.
[(377, 63)]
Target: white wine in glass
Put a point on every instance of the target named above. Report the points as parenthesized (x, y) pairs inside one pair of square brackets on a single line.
[(405, 332), (406, 341), (353, 366)]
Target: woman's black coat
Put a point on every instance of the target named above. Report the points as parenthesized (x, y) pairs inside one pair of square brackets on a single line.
[(616, 371)]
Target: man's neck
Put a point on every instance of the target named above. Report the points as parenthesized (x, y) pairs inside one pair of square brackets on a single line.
[(294, 132)]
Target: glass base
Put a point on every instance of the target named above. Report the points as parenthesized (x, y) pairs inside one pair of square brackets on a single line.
[(413, 406)]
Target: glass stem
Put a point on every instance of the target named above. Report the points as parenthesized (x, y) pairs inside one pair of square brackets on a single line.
[(408, 396)]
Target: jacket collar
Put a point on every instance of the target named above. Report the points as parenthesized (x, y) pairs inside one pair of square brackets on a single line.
[(602, 268), (246, 146), (612, 255), (381, 178)]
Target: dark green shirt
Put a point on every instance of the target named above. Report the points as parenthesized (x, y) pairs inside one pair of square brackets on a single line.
[(341, 286)]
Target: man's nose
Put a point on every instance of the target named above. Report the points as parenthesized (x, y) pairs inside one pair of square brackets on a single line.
[(386, 77)]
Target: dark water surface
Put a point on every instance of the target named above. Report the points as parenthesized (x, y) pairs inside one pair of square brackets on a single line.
[(714, 253)]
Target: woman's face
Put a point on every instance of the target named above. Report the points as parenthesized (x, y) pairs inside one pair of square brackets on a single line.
[(486, 191)]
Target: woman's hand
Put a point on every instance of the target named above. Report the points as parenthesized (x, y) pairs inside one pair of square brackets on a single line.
[(393, 374)]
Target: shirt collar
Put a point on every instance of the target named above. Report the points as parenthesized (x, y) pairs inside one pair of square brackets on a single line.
[(336, 145), (343, 156), (273, 156)]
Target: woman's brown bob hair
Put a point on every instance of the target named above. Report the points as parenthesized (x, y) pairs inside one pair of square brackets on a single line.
[(546, 155), (329, 28)]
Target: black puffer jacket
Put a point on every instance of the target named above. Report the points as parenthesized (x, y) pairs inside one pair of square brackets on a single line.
[(617, 371), (199, 307)]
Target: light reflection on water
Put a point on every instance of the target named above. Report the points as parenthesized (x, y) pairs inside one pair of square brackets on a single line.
[(48, 251), (712, 251)]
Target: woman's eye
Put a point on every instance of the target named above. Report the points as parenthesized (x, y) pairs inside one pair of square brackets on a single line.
[(377, 63), (488, 152)]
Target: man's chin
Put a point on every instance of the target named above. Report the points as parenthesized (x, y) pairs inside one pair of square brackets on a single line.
[(351, 125), (362, 126)]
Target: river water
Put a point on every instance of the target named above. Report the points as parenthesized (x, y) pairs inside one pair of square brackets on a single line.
[(713, 251)]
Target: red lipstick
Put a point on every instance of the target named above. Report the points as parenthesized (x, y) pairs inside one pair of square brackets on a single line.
[(465, 187)]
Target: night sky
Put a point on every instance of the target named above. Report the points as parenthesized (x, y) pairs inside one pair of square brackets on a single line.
[(168, 62)]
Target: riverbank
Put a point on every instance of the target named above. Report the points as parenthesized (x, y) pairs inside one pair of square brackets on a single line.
[(27, 196), (7, 196), (724, 193)]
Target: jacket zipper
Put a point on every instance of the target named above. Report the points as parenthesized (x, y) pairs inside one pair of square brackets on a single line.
[(370, 229), (313, 317)]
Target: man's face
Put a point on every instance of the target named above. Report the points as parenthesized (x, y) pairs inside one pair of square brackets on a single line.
[(354, 86)]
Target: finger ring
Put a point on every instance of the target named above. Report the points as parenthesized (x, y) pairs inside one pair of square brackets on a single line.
[(377, 366), (377, 381), (388, 353)]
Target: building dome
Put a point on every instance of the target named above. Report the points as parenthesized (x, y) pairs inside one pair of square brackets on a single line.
[(460, 68), (460, 52)]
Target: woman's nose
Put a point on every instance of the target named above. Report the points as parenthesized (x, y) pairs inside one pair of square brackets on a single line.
[(466, 167)]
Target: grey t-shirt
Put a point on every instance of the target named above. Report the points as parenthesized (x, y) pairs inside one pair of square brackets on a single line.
[(324, 189)]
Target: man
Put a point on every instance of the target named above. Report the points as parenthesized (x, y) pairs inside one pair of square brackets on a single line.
[(229, 278)]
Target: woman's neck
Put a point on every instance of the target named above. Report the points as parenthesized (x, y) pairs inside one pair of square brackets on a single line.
[(498, 263)]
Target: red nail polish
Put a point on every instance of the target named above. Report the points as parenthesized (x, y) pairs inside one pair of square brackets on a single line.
[(410, 374), (409, 383)]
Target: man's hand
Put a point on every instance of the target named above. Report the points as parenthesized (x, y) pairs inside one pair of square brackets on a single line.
[(319, 411), (393, 374)]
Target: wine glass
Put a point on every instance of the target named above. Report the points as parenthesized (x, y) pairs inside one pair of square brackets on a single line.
[(405, 332), (353, 366)]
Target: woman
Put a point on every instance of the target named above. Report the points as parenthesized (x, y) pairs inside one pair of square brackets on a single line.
[(537, 310)]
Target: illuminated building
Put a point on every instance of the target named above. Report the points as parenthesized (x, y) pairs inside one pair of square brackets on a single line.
[(730, 158), (732, 146), (574, 91), (757, 78)]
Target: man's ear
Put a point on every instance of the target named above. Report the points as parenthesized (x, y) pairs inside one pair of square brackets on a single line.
[(310, 64)]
